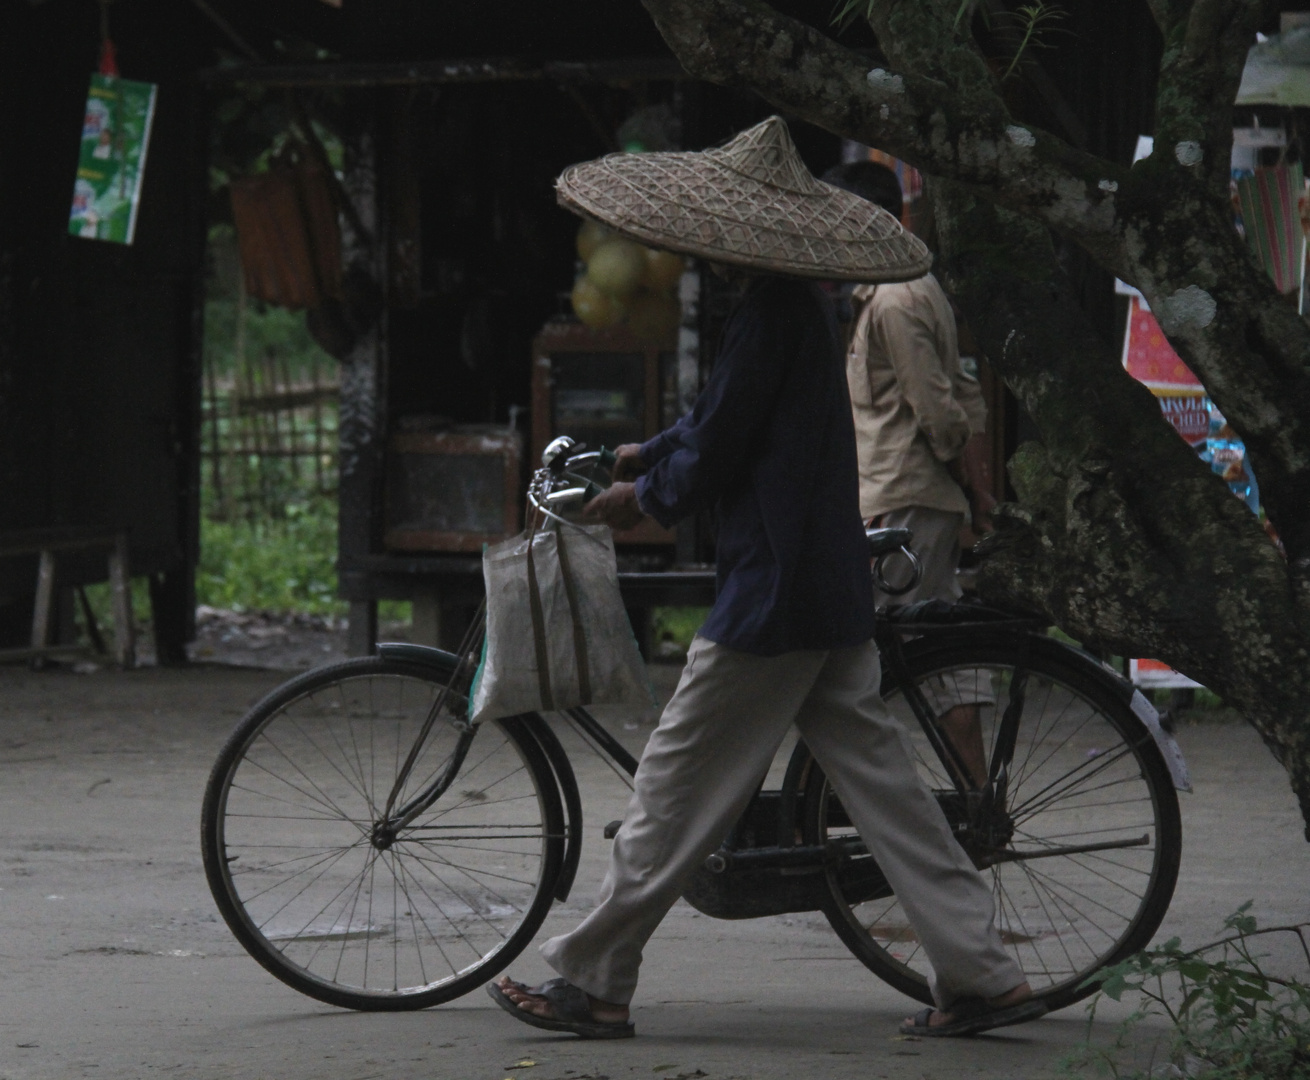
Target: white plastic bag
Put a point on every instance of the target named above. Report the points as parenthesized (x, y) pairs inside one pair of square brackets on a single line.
[(557, 633)]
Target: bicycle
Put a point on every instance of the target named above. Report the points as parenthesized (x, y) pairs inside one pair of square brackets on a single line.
[(372, 849)]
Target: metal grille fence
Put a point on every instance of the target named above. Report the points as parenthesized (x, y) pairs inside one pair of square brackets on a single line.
[(269, 435)]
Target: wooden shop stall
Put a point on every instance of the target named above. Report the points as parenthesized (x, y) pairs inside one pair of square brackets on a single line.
[(461, 353)]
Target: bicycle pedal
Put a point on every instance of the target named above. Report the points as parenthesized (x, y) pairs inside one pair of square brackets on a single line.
[(612, 829)]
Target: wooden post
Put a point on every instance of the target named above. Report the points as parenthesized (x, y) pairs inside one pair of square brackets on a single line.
[(120, 584), (362, 633), (361, 430), (425, 620), (43, 615)]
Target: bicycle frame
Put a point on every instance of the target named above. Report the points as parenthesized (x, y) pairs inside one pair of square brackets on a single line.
[(1085, 732), (794, 857), (984, 820)]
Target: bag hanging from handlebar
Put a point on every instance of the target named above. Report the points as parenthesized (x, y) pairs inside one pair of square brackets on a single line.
[(557, 633)]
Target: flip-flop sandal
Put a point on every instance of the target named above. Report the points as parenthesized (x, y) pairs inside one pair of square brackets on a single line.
[(571, 1007), (971, 1016)]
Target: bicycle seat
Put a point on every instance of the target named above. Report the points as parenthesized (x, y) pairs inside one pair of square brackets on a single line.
[(884, 541)]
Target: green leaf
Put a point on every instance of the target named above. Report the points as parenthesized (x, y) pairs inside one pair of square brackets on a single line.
[(848, 11), (1253, 993), (1240, 921), (1114, 986)]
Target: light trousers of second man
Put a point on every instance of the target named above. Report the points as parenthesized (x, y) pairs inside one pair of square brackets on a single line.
[(704, 761)]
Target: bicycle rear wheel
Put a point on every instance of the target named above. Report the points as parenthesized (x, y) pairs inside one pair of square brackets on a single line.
[(306, 884), (1082, 859)]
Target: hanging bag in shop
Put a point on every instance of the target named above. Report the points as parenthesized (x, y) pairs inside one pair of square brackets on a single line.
[(557, 633)]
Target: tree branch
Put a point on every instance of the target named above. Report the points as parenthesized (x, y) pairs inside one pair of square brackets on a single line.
[(1167, 13), (1205, 51), (1123, 537), (1165, 225), (949, 123)]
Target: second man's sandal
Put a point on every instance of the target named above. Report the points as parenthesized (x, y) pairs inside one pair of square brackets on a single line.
[(972, 1016), (572, 1011)]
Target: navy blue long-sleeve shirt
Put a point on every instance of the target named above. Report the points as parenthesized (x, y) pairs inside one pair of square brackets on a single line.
[(771, 445)]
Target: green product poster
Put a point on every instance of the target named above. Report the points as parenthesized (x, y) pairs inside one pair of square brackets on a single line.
[(115, 135)]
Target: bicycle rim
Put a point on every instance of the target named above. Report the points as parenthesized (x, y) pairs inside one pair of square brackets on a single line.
[(1085, 772), (288, 826)]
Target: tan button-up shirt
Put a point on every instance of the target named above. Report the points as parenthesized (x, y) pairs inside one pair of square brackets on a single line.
[(914, 406)]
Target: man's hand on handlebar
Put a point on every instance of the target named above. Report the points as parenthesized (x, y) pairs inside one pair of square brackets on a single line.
[(616, 506), (628, 464)]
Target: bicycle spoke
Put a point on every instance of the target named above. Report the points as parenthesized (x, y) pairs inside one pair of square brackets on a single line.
[(999, 891), (464, 900), (337, 900), (1080, 917), (1059, 937), (350, 921), (263, 868), (327, 861), (358, 788), (1051, 883), (1052, 720), (1079, 777), (1037, 768), (433, 936), (362, 787), (468, 870), (323, 798), (310, 921), (1038, 890), (1033, 806), (398, 872), (277, 798)]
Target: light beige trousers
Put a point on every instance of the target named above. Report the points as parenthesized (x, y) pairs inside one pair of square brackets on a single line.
[(702, 764), (936, 543)]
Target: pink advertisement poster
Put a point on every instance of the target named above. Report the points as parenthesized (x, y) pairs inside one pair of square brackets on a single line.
[(1149, 357)]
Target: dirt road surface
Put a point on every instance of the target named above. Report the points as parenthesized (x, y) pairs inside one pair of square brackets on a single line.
[(116, 965)]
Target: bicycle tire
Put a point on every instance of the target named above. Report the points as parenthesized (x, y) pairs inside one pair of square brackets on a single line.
[(286, 836), (1085, 770)]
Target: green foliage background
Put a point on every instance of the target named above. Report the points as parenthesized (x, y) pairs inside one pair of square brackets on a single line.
[(286, 564)]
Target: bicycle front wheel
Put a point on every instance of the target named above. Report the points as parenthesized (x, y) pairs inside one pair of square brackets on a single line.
[(333, 906), (1082, 858)]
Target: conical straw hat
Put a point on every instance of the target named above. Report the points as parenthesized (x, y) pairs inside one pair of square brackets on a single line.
[(752, 203)]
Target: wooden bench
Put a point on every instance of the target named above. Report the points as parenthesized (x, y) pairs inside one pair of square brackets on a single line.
[(49, 545)]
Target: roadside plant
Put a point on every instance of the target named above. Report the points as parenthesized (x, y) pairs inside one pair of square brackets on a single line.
[(1230, 1019)]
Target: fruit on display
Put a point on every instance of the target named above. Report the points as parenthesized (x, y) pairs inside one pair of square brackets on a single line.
[(625, 282), (594, 307), (653, 316), (591, 236), (617, 267), (663, 270)]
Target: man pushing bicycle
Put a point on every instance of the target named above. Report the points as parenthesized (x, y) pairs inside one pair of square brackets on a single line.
[(771, 447)]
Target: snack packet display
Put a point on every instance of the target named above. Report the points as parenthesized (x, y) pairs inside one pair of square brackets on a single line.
[(1226, 454)]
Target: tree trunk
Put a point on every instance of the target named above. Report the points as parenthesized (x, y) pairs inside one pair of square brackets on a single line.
[(1121, 535)]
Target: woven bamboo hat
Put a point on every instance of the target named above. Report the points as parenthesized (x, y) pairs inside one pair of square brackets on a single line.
[(752, 203)]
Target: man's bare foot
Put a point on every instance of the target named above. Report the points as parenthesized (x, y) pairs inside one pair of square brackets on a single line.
[(1018, 995), (603, 1012)]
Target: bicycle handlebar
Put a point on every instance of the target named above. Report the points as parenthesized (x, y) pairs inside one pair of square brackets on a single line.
[(563, 456), (560, 462)]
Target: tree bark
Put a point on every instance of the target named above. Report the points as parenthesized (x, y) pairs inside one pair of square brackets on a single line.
[(1121, 535)]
